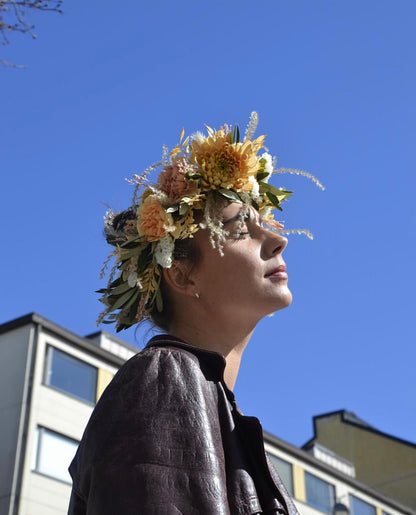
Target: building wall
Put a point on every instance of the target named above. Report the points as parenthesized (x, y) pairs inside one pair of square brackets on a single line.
[(14, 356), (61, 413), (343, 491), (382, 462)]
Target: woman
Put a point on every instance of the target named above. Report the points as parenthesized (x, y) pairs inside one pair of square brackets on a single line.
[(197, 254)]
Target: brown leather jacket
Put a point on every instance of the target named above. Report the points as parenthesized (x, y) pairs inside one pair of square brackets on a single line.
[(167, 438)]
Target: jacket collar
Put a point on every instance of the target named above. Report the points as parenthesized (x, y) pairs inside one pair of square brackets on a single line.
[(167, 340), (212, 362)]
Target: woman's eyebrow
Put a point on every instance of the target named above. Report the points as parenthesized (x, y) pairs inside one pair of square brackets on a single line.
[(258, 218), (233, 219)]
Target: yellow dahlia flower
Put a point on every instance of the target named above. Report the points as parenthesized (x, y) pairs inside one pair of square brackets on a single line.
[(223, 164)]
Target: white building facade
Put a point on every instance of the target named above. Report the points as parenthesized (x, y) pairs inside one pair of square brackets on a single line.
[(50, 380)]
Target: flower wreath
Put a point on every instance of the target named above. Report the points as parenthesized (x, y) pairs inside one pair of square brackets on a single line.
[(198, 173)]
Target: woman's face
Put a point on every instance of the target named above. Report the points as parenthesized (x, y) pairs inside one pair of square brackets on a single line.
[(250, 280)]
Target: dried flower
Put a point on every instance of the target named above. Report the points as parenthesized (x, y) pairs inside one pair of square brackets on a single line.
[(173, 182), (152, 219), (163, 252)]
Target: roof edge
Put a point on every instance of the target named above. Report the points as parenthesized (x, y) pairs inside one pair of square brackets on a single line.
[(347, 420), (57, 330)]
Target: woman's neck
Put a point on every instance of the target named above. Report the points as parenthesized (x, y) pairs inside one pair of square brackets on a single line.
[(225, 340)]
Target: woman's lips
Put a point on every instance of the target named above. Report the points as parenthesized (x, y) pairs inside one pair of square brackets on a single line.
[(278, 273)]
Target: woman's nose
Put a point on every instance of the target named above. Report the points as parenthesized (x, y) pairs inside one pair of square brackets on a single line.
[(275, 243)]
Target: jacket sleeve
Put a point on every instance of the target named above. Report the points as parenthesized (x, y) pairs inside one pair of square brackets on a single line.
[(153, 444)]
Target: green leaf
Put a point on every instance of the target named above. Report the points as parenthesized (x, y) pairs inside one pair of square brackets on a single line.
[(262, 175), (144, 259), (273, 199), (123, 299), (115, 283), (280, 194), (183, 209), (120, 289), (237, 134), (192, 176), (230, 195), (132, 242), (159, 301), (131, 301)]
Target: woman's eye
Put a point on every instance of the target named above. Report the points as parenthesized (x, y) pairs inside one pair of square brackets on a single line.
[(240, 235)]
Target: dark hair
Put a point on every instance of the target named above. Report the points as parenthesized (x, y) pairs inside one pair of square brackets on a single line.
[(185, 249)]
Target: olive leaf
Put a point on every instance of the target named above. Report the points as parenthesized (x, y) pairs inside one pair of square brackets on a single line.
[(121, 289), (262, 175), (231, 195), (122, 299)]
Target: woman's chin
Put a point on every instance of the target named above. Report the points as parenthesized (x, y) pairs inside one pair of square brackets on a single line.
[(285, 299)]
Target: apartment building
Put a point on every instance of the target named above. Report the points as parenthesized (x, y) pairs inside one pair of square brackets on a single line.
[(382, 460), (50, 380)]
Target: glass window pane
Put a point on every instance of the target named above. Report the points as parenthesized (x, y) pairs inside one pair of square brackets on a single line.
[(71, 375), (54, 454), (319, 493), (360, 507), (285, 471)]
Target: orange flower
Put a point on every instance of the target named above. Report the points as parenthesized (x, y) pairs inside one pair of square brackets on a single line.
[(223, 164), (152, 220)]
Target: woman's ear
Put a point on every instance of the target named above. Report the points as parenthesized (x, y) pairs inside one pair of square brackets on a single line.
[(178, 277)]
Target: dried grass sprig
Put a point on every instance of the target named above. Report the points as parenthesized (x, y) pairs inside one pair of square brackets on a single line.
[(252, 126), (105, 266), (141, 180), (297, 231), (213, 222), (294, 171)]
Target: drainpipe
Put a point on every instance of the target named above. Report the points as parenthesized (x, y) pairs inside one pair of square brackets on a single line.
[(24, 421)]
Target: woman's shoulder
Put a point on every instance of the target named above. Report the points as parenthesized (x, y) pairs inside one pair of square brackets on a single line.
[(170, 359), (157, 378), (160, 394)]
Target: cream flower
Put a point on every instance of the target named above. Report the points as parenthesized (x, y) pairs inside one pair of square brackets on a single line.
[(164, 251), (253, 186), (268, 165), (133, 280)]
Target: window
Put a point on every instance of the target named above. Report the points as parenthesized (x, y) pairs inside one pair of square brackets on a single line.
[(319, 493), (53, 454), (285, 471), (70, 375), (360, 507)]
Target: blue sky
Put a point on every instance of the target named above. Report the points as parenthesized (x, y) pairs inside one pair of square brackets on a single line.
[(333, 83)]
